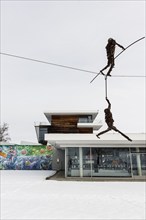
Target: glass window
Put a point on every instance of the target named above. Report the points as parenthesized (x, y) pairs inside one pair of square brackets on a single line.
[(86, 162), (73, 162), (106, 162), (43, 131), (139, 164), (143, 163), (134, 164), (141, 150), (111, 162), (95, 158), (85, 119)]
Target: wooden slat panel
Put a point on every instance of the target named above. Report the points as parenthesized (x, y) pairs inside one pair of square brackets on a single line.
[(67, 124)]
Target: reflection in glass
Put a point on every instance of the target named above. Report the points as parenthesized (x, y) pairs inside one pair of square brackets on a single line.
[(139, 164), (111, 162), (86, 162), (143, 163), (106, 162), (73, 162)]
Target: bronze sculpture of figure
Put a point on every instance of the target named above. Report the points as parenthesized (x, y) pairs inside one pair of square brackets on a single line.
[(110, 50), (109, 120)]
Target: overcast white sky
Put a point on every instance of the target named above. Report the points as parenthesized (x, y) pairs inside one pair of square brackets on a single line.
[(72, 33)]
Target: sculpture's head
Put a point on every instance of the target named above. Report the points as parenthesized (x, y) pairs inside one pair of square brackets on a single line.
[(106, 111), (110, 40)]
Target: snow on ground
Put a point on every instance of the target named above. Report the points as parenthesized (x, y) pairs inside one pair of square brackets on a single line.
[(27, 195)]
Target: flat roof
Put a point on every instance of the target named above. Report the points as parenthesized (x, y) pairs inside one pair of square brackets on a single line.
[(86, 140), (48, 114)]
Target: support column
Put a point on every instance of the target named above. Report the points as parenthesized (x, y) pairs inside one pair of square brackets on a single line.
[(81, 161), (138, 162)]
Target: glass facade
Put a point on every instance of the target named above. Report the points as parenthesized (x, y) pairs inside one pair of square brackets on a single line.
[(143, 163), (138, 161), (85, 119), (73, 162), (108, 162)]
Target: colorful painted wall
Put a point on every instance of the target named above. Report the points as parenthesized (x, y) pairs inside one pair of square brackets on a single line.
[(26, 157)]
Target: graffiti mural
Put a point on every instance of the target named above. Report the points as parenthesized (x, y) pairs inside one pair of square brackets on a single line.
[(26, 157)]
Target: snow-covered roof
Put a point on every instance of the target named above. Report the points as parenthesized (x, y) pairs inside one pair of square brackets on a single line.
[(86, 140)]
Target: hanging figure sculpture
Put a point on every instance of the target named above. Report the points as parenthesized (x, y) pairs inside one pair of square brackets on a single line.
[(109, 120), (110, 50)]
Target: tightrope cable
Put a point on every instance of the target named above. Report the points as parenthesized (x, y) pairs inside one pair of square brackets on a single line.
[(70, 67), (49, 63), (63, 66)]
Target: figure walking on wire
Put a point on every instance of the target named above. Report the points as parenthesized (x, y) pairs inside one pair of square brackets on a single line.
[(110, 50), (109, 120)]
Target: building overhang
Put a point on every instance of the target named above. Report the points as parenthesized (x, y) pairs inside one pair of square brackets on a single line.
[(89, 125), (61, 141), (49, 114)]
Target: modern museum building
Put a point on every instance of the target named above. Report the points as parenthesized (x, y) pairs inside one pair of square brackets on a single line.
[(79, 152)]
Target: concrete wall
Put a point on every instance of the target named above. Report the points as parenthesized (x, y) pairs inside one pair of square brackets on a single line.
[(58, 161)]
